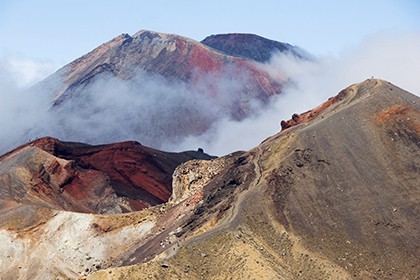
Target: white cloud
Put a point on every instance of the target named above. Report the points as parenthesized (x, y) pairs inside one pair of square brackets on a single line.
[(154, 111), (392, 57), (28, 72)]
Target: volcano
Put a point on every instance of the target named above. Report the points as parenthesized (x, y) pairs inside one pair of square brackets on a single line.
[(156, 88), (171, 56)]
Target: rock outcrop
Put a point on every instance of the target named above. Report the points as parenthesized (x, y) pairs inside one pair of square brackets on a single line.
[(311, 114), (190, 177)]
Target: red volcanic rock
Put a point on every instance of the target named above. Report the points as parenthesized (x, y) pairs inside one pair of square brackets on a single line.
[(119, 177), (292, 122), (311, 114)]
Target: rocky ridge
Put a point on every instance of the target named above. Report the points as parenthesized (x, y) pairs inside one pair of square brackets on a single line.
[(309, 203), (115, 178)]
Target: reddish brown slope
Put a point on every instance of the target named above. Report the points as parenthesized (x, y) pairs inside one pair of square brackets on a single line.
[(348, 180), (78, 177), (171, 56)]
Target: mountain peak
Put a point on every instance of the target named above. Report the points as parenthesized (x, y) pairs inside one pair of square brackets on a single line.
[(169, 60), (150, 34), (249, 46), (144, 33), (346, 98)]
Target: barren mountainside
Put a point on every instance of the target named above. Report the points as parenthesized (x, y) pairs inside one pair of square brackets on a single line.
[(172, 57), (334, 195)]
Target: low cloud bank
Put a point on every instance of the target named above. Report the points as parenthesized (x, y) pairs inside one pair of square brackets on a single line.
[(392, 57), (157, 112)]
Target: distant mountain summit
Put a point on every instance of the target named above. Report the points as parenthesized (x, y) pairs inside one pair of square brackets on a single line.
[(158, 88), (173, 57), (250, 46)]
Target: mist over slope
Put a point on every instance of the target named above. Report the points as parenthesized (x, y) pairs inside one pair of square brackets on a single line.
[(161, 112), (153, 87), (394, 57), (333, 197)]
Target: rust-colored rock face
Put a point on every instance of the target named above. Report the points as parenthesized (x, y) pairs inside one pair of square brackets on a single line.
[(113, 178), (312, 114)]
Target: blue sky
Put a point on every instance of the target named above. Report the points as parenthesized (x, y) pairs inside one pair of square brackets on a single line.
[(59, 31)]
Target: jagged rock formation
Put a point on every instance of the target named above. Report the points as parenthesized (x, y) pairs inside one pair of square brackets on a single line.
[(332, 197), (113, 178), (190, 177), (250, 46), (311, 114)]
